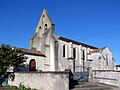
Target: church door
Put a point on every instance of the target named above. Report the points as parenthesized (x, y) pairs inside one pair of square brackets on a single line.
[(32, 65)]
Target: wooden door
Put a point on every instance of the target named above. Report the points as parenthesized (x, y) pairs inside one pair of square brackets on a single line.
[(32, 65)]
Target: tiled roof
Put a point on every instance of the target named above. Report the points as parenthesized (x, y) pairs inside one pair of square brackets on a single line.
[(75, 42), (33, 52)]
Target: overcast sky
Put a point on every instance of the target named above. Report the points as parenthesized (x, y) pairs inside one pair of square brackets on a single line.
[(94, 22)]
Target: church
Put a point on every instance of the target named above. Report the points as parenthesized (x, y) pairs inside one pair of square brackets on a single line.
[(50, 52), (50, 57)]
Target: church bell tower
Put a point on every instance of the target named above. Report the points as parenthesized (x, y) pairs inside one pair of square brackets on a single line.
[(44, 39)]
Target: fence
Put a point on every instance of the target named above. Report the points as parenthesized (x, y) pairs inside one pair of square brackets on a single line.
[(83, 75)]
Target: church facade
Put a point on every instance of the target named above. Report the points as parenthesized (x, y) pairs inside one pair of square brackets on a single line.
[(50, 52)]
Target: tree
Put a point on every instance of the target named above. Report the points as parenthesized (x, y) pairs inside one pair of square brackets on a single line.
[(9, 57)]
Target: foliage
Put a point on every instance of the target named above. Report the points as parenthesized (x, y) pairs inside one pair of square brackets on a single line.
[(21, 87), (9, 57), (11, 86)]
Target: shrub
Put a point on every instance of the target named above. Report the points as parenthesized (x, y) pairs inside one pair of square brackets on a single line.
[(21, 87)]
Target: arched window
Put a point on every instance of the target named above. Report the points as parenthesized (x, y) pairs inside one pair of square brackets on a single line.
[(63, 50), (45, 26), (83, 54), (74, 53), (107, 59), (32, 65)]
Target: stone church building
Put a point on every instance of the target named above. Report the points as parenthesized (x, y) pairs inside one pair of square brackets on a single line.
[(50, 52), (50, 56)]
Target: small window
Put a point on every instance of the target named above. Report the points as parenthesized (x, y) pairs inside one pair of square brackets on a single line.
[(63, 50), (74, 53), (45, 26), (40, 27)]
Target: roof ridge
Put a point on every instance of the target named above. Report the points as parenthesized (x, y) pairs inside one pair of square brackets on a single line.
[(76, 42)]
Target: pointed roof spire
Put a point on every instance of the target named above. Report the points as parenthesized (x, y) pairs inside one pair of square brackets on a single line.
[(44, 19), (45, 12)]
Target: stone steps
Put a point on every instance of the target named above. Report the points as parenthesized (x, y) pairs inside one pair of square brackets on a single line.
[(94, 86)]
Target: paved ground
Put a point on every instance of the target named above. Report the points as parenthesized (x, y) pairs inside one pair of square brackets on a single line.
[(94, 86)]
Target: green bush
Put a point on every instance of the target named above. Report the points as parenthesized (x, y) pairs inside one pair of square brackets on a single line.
[(11, 86), (21, 87)]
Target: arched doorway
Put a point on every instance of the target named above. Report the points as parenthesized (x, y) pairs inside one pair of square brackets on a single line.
[(32, 65)]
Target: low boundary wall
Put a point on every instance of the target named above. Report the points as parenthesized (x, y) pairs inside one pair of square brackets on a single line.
[(110, 77), (42, 80)]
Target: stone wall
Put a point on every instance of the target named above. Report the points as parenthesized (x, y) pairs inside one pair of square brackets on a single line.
[(110, 77), (42, 80)]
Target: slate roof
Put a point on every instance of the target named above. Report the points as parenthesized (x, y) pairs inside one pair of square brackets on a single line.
[(33, 52), (78, 43), (95, 51)]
